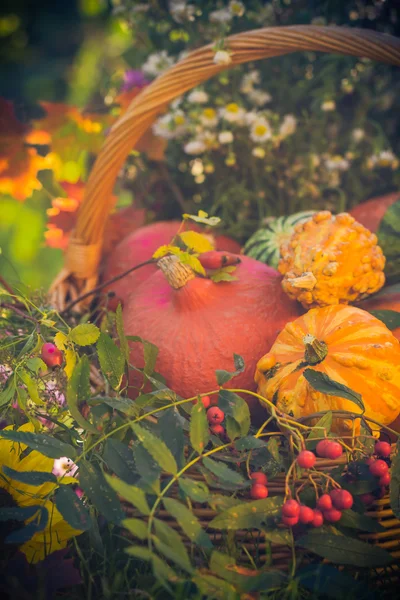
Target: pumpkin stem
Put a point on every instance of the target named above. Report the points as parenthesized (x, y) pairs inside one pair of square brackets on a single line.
[(306, 281), (176, 273), (315, 351)]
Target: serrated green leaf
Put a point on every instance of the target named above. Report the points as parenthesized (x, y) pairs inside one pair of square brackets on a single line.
[(124, 405), (278, 536), (35, 364), (214, 587), (196, 490), (157, 448), (84, 334), (8, 393), (222, 471), (150, 353), (171, 425), (78, 392), (17, 513), (232, 428), (391, 318), (72, 508), (342, 550), (199, 428), (234, 406), (354, 520), (249, 442), (30, 477), (123, 342), (324, 384), (172, 545), (47, 445), (131, 493), (395, 482), (112, 361), (119, 458), (137, 527), (147, 468), (94, 484), (188, 522), (248, 514)]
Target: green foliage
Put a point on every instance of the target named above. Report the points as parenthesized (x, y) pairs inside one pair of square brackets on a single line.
[(322, 383)]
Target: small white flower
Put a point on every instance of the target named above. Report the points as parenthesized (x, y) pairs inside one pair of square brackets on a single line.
[(157, 63), (233, 113), (171, 125), (225, 137), (250, 117), (337, 163), (258, 152), (195, 147), (197, 167), (288, 126), (358, 134), (385, 158), (198, 97), (177, 102), (220, 16), (236, 8), (181, 11), (208, 138), (259, 97), (222, 57), (260, 130), (346, 86), (209, 117), (328, 106), (64, 466), (248, 81)]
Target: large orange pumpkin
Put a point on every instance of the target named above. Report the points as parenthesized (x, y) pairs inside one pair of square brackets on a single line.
[(350, 346), (198, 324), (140, 246)]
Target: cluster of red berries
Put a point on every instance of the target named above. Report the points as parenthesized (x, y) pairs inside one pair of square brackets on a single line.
[(329, 507), (378, 468), (329, 449), (51, 355), (259, 488), (215, 415)]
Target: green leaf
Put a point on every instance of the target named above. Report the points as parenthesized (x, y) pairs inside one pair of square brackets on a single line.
[(20, 536), (214, 587), (31, 386), (119, 458), (84, 334), (171, 425), (234, 406), (232, 428), (317, 432), (147, 467), (7, 394), (112, 361), (273, 449), (223, 472), (354, 520), (17, 513), (157, 448), (324, 384), (124, 405), (326, 581), (78, 392), (203, 217), (199, 428), (161, 570), (196, 490), (225, 376), (150, 353), (35, 364), (342, 550), (132, 494), (389, 240), (29, 344), (391, 318), (72, 508), (248, 515), (245, 580), (137, 527), (140, 552), (30, 477), (123, 342), (46, 444), (172, 545), (395, 482), (94, 484), (249, 443), (188, 521), (278, 536)]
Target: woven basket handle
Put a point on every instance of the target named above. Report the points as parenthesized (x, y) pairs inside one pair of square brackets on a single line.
[(82, 259)]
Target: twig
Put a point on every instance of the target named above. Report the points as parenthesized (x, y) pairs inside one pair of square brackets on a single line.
[(21, 313), (6, 286), (105, 284)]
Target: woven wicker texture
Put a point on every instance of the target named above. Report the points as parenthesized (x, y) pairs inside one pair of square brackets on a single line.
[(84, 251)]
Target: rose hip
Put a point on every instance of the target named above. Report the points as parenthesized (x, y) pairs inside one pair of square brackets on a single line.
[(306, 459), (259, 477), (383, 449), (215, 415), (259, 491), (306, 515), (378, 468), (291, 508), (217, 430), (51, 355)]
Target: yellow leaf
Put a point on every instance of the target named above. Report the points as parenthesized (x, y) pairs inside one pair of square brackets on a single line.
[(192, 261), (60, 340), (196, 241), (164, 250), (70, 359)]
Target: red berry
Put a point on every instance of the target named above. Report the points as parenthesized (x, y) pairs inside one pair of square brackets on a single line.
[(384, 481), (291, 508), (324, 502), (259, 477), (217, 430), (318, 519), (378, 468), (51, 355), (332, 515), (205, 400), (306, 459), (367, 498), (290, 521), (321, 448), (342, 500), (215, 415), (306, 515), (383, 449), (333, 450), (259, 491)]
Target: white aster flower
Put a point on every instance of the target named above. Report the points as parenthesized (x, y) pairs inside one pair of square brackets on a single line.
[(64, 466), (258, 152), (220, 16), (181, 11), (249, 80), (250, 117), (260, 130), (233, 113), (385, 158), (171, 125), (209, 117), (288, 126), (197, 167), (198, 97), (222, 57), (358, 134), (208, 138), (157, 63), (225, 137), (259, 97), (328, 105), (195, 147), (236, 8), (337, 163)]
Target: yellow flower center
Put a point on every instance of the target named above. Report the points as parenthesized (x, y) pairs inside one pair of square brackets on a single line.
[(232, 107), (209, 113), (261, 130), (179, 120)]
